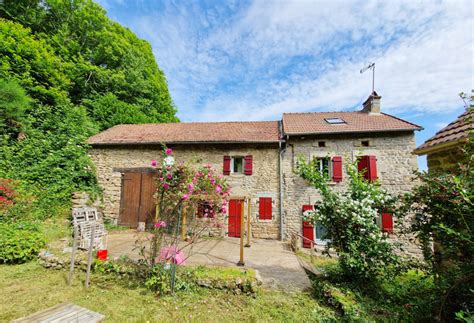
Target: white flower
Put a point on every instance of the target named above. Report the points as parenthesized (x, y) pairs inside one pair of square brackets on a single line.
[(168, 161)]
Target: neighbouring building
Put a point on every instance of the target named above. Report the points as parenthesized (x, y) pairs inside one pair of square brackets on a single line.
[(444, 149), (258, 159)]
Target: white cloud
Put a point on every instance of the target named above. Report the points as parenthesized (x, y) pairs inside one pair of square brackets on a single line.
[(232, 63)]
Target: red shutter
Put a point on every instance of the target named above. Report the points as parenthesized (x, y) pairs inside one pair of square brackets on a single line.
[(337, 169), (248, 165), (308, 230), (368, 165), (387, 222), (226, 165), (265, 208), (372, 173)]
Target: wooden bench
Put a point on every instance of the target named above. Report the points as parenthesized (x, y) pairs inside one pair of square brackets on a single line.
[(66, 312)]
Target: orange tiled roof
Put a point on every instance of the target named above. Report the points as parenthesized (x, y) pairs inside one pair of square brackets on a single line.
[(192, 132), (454, 132), (314, 123)]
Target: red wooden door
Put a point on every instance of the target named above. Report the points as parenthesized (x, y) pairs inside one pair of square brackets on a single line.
[(235, 213), (308, 229), (136, 203)]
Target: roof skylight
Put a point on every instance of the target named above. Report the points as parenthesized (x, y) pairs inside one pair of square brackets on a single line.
[(334, 120)]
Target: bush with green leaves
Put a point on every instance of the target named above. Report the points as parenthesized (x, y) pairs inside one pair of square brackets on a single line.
[(350, 219), (443, 205), (19, 242)]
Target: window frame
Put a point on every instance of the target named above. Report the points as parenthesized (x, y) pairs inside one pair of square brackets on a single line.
[(232, 159), (328, 160)]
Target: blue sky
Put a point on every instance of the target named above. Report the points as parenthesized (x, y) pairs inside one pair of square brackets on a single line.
[(254, 60)]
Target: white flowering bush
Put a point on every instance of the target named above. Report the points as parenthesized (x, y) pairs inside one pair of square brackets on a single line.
[(351, 224)]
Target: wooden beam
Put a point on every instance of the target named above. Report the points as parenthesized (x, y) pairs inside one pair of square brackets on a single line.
[(241, 261)]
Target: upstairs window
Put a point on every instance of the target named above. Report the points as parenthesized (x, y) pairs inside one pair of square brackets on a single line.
[(322, 165), (237, 165), (334, 120)]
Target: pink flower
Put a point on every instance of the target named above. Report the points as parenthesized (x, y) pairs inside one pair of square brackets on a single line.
[(223, 209), (161, 179), (168, 151), (185, 197), (169, 176), (168, 168), (218, 189), (213, 181), (160, 224), (220, 176), (153, 163), (166, 186)]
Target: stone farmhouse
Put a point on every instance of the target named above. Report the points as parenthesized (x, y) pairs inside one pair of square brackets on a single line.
[(258, 159)]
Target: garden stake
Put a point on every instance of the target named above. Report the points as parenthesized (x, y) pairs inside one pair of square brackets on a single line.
[(173, 259), (183, 226), (89, 260), (248, 223), (241, 261), (73, 255)]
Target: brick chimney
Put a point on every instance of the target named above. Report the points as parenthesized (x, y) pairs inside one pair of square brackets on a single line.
[(372, 104)]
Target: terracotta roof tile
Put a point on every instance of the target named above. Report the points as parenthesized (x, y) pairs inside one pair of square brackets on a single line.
[(192, 132), (457, 130), (314, 123)]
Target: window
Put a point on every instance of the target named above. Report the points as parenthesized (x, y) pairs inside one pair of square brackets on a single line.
[(365, 143), (205, 210), (321, 144), (334, 120), (322, 164), (237, 165), (265, 208), (367, 165)]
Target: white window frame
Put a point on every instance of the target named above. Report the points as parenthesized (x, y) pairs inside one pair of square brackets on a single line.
[(232, 164), (319, 159)]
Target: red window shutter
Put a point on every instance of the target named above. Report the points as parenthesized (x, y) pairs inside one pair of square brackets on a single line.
[(337, 169), (368, 165), (248, 165), (372, 173), (387, 222), (265, 208), (307, 207), (226, 170), (362, 166)]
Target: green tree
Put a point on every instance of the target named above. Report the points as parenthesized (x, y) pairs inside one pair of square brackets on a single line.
[(13, 103)]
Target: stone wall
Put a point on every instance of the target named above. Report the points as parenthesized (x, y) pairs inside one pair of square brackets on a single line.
[(395, 166), (264, 182), (445, 160)]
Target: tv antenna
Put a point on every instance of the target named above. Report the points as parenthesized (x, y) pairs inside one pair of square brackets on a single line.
[(371, 66)]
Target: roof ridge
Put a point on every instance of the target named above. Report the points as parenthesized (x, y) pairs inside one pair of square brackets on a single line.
[(310, 112), (194, 122)]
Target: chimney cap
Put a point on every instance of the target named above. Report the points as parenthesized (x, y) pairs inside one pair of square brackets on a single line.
[(373, 95)]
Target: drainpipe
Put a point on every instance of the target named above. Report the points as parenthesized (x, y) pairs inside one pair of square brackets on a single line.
[(280, 153)]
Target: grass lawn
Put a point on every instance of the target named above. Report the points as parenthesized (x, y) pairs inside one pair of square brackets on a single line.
[(29, 288)]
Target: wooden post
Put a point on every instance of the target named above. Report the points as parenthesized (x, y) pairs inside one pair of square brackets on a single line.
[(241, 261), (73, 255), (183, 225), (249, 210), (312, 252), (89, 259)]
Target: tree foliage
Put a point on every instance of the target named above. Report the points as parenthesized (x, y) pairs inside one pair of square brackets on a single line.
[(444, 216), (66, 72)]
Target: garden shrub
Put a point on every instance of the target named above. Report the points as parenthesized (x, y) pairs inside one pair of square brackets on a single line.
[(19, 242), (443, 205), (350, 218)]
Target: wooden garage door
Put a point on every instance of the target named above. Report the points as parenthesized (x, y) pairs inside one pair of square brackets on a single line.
[(136, 203)]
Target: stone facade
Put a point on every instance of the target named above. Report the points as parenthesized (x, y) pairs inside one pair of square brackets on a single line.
[(264, 181), (395, 166), (445, 160)]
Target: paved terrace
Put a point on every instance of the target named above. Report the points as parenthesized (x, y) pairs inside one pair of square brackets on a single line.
[(277, 266)]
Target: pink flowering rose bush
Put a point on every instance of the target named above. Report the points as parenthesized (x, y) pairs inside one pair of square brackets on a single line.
[(184, 193)]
